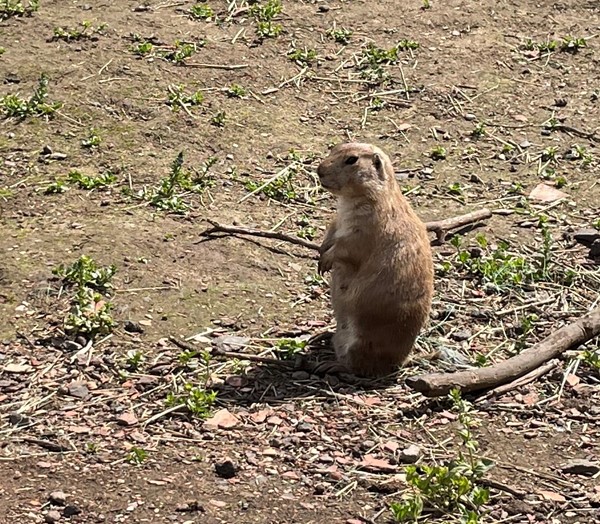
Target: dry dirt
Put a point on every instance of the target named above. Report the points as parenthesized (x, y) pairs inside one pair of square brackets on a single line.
[(306, 449)]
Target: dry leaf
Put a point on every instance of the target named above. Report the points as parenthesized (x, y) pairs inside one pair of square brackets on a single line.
[(371, 463), (551, 495)]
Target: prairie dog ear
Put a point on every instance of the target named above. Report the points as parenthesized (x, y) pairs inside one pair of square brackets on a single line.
[(378, 163)]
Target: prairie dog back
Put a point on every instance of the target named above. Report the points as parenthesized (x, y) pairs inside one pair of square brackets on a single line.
[(381, 261)]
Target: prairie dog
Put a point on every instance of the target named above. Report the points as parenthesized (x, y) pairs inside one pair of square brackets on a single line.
[(381, 261)]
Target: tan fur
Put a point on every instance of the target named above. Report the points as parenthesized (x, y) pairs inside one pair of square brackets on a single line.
[(381, 262)]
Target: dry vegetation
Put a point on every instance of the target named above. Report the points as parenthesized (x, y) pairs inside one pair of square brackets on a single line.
[(127, 126)]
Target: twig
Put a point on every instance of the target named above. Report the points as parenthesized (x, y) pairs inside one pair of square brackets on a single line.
[(565, 338), (522, 381), (235, 230), (439, 227), (227, 67), (577, 132), (500, 486)]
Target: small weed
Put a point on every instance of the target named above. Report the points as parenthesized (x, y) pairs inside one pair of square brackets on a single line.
[(426, 5), (10, 8), (580, 154), (281, 189), (14, 106), (287, 348), (306, 230), (137, 455), (197, 400), (182, 51), (340, 34), (550, 154), (143, 48), (93, 140), (264, 13), (452, 489), (303, 57), (373, 58), (438, 153), (218, 119), (456, 189), (201, 12), (591, 358), (179, 99), (85, 272), (236, 91), (572, 44), (478, 130), (2, 51), (86, 31), (169, 195), (134, 360), (5, 193), (56, 187), (88, 182)]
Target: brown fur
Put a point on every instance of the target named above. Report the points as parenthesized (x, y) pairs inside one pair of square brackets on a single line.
[(381, 262)]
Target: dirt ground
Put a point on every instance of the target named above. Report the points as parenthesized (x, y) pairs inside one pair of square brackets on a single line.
[(476, 116)]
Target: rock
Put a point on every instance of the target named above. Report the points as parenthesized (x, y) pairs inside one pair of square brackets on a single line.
[(190, 507), (304, 427), (587, 236), (324, 8), (133, 327), (231, 343), (411, 454), (46, 150), (546, 193), (78, 390), (595, 250), (222, 419), (300, 375), (58, 498), (581, 467), (17, 368), (71, 511), (16, 419), (127, 419), (52, 516), (461, 334), (225, 469), (469, 117)]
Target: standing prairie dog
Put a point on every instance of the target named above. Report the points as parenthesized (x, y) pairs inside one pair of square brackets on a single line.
[(381, 261)]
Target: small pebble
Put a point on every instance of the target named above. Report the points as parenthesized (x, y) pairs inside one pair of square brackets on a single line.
[(58, 498), (52, 516), (225, 469), (410, 455)]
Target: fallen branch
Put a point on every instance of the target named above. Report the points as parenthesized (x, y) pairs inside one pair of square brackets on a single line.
[(567, 337), (235, 230), (442, 227), (439, 227)]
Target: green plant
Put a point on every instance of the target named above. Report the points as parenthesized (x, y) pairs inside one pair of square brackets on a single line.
[(2, 51), (452, 488), (303, 57), (264, 13), (591, 358), (134, 360), (218, 119), (438, 153), (181, 51), (201, 12), (5, 193), (169, 194), (426, 5), (10, 8), (86, 31), (143, 48), (236, 91), (281, 189), (15, 106), (90, 312), (456, 189), (89, 315), (287, 348), (56, 187), (93, 140), (580, 153), (571, 44), (478, 130), (198, 401), (306, 231), (137, 455), (179, 99), (88, 182), (340, 34), (85, 272)]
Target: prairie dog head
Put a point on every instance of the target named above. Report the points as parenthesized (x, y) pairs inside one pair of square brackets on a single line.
[(355, 169)]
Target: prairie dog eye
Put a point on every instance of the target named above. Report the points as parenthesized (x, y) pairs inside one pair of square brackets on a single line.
[(351, 160)]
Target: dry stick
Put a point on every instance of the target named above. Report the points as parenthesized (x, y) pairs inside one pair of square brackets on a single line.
[(439, 227), (567, 337), (521, 381), (227, 67)]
